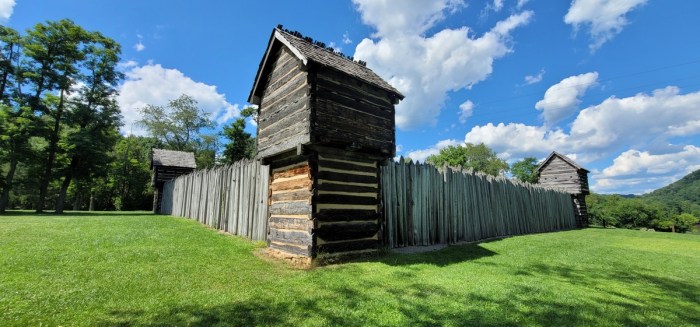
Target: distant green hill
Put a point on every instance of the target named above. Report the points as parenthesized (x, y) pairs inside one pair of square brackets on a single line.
[(682, 196)]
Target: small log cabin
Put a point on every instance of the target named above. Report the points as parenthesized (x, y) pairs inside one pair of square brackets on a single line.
[(561, 172), (168, 165), (325, 124)]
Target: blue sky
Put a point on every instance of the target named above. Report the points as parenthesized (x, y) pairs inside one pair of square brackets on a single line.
[(614, 84)]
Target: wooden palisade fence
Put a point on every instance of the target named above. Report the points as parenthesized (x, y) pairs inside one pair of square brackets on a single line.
[(230, 198), (424, 205)]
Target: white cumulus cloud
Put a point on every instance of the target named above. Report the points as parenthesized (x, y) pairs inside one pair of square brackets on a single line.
[(634, 162), (421, 155), (465, 111), (561, 99), (139, 46), (404, 17), (606, 18), (6, 10), (534, 79), (495, 5), (512, 141), (685, 128), (521, 3), (346, 38), (639, 119), (634, 169), (156, 85), (425, 68), (614, 124), (647, 122)]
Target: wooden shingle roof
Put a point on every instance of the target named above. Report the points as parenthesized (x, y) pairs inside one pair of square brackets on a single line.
[(309, 52), (172, 158), (562, 157)]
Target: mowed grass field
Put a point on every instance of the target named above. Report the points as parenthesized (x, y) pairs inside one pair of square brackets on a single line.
[(121, 269)]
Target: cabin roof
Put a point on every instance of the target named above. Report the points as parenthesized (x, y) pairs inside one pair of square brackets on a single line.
[(562, 157), (172, 158), (309, 52)]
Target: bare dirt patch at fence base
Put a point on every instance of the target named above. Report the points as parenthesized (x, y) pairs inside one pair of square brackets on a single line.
[(292, 260)]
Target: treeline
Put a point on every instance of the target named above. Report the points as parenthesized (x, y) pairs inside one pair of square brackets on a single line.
[(60, 146), (481, 158), (675, 207), (59, 116), (681, 196), (638, 212)]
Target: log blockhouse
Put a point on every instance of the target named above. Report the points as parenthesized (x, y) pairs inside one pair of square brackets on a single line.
[(168, 165), (325, 124), (561, 172)]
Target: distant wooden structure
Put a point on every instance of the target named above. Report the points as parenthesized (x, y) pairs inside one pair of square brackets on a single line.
[(561, 172), (168, 165), (325, 124)]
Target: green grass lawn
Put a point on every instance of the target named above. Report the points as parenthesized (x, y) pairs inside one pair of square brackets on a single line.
[(116, 269)]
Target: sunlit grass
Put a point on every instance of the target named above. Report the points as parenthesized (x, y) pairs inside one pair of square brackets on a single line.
[(141, 269)]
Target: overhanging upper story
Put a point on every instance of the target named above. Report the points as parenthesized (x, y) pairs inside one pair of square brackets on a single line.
[(309, 95)]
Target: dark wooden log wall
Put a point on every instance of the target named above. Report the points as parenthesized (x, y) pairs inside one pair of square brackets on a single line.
[(284, 116), (167, 173), (162, 174), (290, 224), (346, 205), (352, 113), (581, 210), (558, 173)]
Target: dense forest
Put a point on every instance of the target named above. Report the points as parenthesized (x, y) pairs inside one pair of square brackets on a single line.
[(675, 207), (60, 145)]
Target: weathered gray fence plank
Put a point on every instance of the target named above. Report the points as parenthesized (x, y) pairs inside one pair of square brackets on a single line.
[(424, 205), (231, 198)]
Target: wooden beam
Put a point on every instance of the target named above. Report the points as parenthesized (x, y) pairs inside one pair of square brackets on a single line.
[(331, 215)]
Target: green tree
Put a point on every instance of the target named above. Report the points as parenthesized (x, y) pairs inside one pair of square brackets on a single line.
[(177, 126), (617, 211), (57, 88), (478, 157), (11, 121), (679, 223), (205, 150), (600, 209), (10, 42), (129, 181), (241, 144), (16, 127), (17, 122), (57, 57), (525, 170), (93, 115), (636, 213)]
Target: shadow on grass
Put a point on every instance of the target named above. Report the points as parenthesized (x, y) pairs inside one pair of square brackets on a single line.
[(418, 303), (642, 289), (362, 300), (31, 213), (443, 257), (252, 313)]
